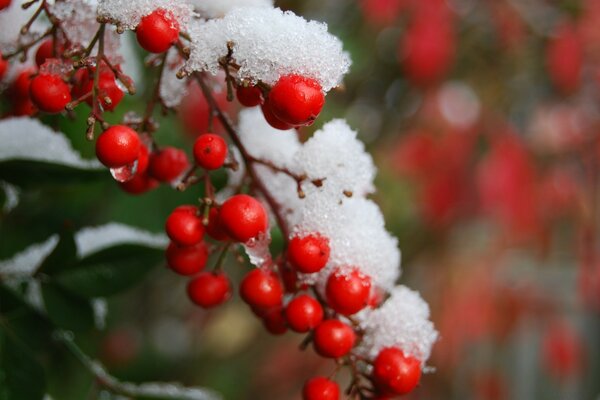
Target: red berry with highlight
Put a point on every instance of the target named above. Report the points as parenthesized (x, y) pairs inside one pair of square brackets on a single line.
[(184, 226), (308, 254), (49, 93), (303, 313), (249, 96), (187, 260), (261, 288), (118, 146), (394, 372), (333, 338), (209, 289), (243, 217), (320, 388), (157, 31), (210, 151), (296, 100), (168, 164), (348, 290)]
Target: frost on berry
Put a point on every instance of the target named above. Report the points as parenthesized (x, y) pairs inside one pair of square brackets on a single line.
[(269, 43), (20, 138), (402, 321), (128, 13), (219, 8)]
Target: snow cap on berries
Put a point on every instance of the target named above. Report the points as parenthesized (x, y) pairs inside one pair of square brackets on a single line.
[(267, 44), (128, 13), (172, 89), (219, 8), (402, 321)]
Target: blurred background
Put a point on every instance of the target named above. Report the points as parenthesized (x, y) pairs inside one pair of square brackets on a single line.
[(483, 117)]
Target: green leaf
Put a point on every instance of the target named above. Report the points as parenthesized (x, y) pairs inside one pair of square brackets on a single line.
[(33, 173), (66, 309), (63, 256), (21, 376), (110, 271)]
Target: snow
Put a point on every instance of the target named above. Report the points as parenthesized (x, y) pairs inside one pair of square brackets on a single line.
[(128, 13), (219, 8)]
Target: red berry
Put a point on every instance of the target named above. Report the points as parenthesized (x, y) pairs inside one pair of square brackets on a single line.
[(303, 313), (308, 254), (49, 93), (249, 96), (274, 321), (394, 372), (168, 164), (210, 151), (187, 260), (45, 51), (214, 227), (107, 85), (209, 289), (20, 87), (333, 338), (184, 226), (272, 119), (320, 388), (564, 59), (139, 184), (157, 31), (3, 66), (23, 107), (118, 146), (4, 4), (261, 288), (348, 291), (296, 100), (195, 111), (243, 217)]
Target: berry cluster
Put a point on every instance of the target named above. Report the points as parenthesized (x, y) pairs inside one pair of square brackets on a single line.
[(324, 285)]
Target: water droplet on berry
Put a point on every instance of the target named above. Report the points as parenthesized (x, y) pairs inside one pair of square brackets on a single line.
[(125, 173), (257, 249)]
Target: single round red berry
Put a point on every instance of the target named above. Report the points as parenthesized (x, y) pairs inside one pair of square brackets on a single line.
[(348, 290), (210, 151), (303, 313), (249, 96), (333, 338), (4, 4), (209, 289), (261, 288), (394, 372), (184, 226), (243, 217), (215, 228), (274, 322), (45, 51), (320, 388), (296, 100), (168, 164), (118, 146), (49, 93), (3, 66), (308, 254), (272, 119), (20, 87), (139, 184), (109, 93), (157, 31), (187, 260)]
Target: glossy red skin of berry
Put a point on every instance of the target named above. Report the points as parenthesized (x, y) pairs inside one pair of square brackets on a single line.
[(209, 289), (4, 4), (320, 388), (139, 184), (333, 338), (348, 291), (243, 217), (3, 66), (249, 96), (184, 227), (45, 51), (303, 313), (168, 164), (49, 93), (214, 228), (118, 146), (157, 31), (272, 119), (308, 254), (261, 288), (274, 322), (296, 100), (396, 373), (187, 260), (210, 151)]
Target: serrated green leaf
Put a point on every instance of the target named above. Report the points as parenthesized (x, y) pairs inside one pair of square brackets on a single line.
[(110, 271), (33, 173), (63, 256), (66, 309)]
